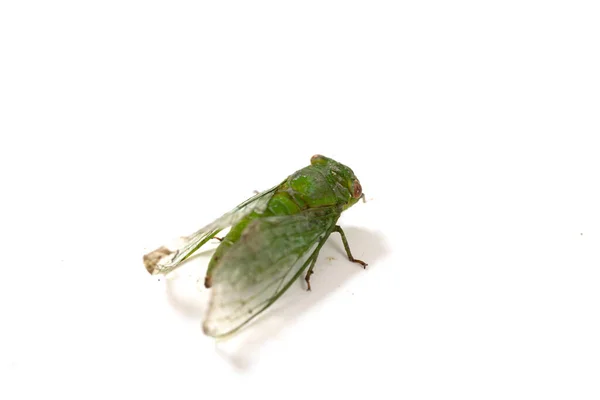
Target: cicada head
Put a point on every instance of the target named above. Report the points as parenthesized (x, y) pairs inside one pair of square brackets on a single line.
[(344, 183)]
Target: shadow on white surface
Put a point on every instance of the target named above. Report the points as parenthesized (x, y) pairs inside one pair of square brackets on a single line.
[(185, 286), (186, 293)]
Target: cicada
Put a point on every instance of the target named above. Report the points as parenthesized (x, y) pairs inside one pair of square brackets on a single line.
[(275, 238)]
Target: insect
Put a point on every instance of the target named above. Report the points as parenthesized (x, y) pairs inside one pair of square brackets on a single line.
[(275, 237)]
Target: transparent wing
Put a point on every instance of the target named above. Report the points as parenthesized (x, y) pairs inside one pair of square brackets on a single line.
[(271, 253), (165, 259)]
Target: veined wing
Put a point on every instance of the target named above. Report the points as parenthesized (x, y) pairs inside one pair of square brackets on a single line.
[(164, 259), (269, 256)]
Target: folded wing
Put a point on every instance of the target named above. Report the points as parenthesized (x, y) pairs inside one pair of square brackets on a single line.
[(164, 259), (271, 253)]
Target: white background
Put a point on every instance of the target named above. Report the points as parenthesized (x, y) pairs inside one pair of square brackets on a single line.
[(472, 126)]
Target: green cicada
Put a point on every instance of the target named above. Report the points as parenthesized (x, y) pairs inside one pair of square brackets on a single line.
[(274, 238)]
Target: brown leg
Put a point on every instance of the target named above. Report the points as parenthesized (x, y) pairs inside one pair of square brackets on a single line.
[(310, 272), (339, 230)]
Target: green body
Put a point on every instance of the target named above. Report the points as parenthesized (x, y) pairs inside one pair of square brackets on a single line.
[(324, 184), (275, 236)]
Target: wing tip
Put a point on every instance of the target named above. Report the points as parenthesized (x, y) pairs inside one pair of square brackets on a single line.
[(154, 258), (209, 330)]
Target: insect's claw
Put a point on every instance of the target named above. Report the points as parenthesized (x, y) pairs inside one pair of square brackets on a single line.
[(307, 279)]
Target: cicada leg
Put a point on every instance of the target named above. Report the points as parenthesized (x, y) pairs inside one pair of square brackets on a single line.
[(347, 247), (310, 271)]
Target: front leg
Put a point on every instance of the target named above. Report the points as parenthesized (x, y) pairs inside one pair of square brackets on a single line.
[(347, 248)]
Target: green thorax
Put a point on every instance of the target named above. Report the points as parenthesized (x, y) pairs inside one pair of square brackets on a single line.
[(306, 188)]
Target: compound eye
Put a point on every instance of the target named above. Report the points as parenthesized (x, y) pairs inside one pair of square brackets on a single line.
[(317, 159), (356, 189)]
